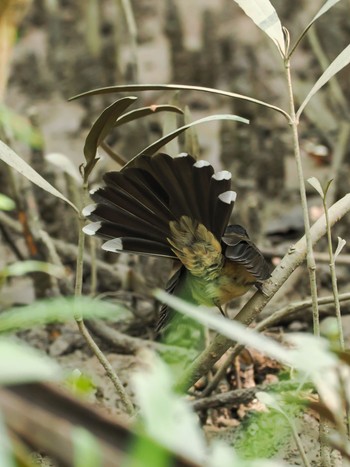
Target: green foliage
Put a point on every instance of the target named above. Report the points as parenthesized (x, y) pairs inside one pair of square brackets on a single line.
[(262, 435), (58, 310), (6, 203), (87, 452), (80, 384), (20, 363), (21, 128)]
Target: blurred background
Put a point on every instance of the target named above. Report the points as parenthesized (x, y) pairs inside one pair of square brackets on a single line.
[(51, 50)]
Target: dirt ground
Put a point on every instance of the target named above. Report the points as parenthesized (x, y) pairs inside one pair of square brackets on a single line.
[(216, 45)]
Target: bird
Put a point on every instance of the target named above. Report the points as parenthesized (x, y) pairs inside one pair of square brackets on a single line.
[(179, 208)]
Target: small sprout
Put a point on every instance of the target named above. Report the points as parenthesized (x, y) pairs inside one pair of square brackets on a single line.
[(6, 203), (314, 182), (341, 244)]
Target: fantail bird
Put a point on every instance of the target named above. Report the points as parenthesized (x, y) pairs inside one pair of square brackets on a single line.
[(178, 208)]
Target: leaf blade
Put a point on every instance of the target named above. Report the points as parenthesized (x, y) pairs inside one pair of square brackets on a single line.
[(265, 17), (321, 11), (342, 60), (146, 111), (153, 147), (176, 87), (99, 130), (13, 160)]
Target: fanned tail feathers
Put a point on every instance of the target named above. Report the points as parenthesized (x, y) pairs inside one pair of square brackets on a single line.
[(137, 205)]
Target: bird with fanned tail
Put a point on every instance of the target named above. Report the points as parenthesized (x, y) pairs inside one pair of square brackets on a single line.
[(178, 208)]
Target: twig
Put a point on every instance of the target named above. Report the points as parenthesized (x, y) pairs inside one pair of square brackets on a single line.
[(320, 257), (66, 250), (271, 320), (85, 333), (258, 301), (243, 396), (132, 345)]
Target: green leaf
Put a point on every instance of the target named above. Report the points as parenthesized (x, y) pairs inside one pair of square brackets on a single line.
[(21, 128), (58, 310), (100, 129), (231, 329), (265, 17), (17, 163), (6, 203), (154, 147), (167, 417), (338, 64), (87, 452), (24, 267), (6, 458), (145, 111), (321, 11), (176, 87), (20, 363), (314, 182)]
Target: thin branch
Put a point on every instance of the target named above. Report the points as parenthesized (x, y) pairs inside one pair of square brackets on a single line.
[(258, 301), (271, 320)]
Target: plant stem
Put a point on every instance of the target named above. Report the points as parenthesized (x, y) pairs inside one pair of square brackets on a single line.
[(334, 277), (310, 255), (84, 331)]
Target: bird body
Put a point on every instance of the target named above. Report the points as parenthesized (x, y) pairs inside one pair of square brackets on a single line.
[(178, 208)]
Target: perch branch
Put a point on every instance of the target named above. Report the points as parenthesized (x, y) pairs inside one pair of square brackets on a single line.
[(258, 301)]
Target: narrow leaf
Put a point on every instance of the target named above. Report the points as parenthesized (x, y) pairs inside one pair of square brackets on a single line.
[(6, 458), (17, 163), (24, 267), (231, 329), (265, 17), (340, 246), (62, 162), (20, 363), (87, 452), (326, 188), (58, 309), (145, 111), (317, 185), (176, 87), (152, 148), (321, 11), (338, 63), (99, 130)]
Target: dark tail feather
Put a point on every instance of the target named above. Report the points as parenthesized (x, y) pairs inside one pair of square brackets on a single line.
[(117, 197), (222, 212), (139, 246), (220, 182), (121, 219), (138, 187), (162, 168), (142, 199), (201, 173)]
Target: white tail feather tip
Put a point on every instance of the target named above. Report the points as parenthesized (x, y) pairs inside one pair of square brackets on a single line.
[(223, 175), (200, 164), (88, 210), (228, 197), (91, 229), (113, 245)]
